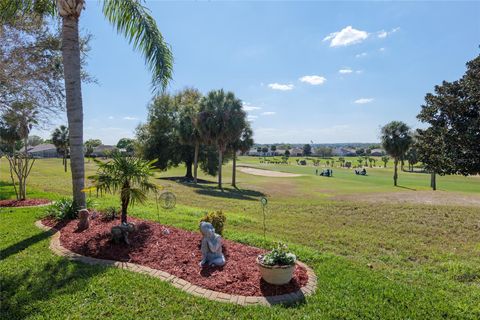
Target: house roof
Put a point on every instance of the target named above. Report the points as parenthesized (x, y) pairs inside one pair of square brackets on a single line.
[(104, 147), (42, 147)]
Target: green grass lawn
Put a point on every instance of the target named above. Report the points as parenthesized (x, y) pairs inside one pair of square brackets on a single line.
[(382, 261)]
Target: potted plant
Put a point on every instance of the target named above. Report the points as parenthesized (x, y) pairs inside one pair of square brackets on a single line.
[(277, 266)]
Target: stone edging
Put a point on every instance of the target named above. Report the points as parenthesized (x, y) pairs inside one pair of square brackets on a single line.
[(184, 285)]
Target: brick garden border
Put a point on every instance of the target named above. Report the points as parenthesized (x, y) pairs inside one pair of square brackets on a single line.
[(184, 285)]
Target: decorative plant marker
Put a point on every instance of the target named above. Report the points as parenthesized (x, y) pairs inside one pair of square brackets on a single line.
[(168, 200), (264, 203)]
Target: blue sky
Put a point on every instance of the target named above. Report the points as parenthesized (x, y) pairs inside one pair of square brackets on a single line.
[(306, 71)]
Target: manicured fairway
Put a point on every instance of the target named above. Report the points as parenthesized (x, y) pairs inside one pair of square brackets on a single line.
[(373, 260)]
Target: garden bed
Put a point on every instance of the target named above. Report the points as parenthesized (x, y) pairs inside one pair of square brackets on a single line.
[(23, 203), (177, 253)]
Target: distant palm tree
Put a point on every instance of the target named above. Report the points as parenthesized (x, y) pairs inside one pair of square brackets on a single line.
[(242, 144), (127, 175), (385, 160), (131, 19), (396, 139), (60, 138), (221, 120)]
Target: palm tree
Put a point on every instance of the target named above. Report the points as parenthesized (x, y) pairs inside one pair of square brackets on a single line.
[(127, 175), (242, 144), (60, 138), (385, 160), (131, 19), (220, 121), (396, 139)]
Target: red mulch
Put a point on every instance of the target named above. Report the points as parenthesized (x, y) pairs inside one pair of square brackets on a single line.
[(23, 203), (177, 253)]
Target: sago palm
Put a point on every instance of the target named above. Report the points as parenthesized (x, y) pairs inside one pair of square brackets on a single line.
[(131, 19), (129, 176)]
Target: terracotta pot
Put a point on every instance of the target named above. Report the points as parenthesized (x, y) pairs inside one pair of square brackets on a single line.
[(277, 275)]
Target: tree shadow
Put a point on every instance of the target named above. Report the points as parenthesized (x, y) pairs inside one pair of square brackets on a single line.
[(7, 190), (230, 193), (25, 243), (402, 187), (21, 292)]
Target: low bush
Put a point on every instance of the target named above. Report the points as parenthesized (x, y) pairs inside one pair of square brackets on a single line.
[(217, 219), (66, 209), (110, 214)]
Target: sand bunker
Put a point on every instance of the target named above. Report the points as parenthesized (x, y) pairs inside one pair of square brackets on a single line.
[(268, 173)]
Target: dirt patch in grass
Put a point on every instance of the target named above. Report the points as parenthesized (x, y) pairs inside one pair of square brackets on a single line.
[(268, 173), (23, 203), (415, 197), (177, 253)]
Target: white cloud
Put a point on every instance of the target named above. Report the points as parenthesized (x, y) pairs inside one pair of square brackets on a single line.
[(361, 55), (251, 117), (268, 113), (111, 117), (359, 71), (130, 118), (345, 71), (383, 34), (345, 37), (363, 100), (248, 107), (313, 80), (381, 49), (281, 87)]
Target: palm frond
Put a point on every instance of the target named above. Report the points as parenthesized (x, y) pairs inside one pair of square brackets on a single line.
[(134, 21)]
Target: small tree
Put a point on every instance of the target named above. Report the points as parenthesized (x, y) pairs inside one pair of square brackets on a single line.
[(307, 150), (385, 160), (287, 153), (90, 145), (396, 139), (60, 138), (243, 144), (127, 175)]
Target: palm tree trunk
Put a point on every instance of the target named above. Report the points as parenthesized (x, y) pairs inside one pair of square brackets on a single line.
[(220, 160), (195, 162), (433, 181), (234, 172), (395, 172), (73, 90), (65, 162)]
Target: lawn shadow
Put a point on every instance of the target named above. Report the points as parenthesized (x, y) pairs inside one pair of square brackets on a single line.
[(6, 190), (21, 292), (231, 193), (25, 243), (402, 187)]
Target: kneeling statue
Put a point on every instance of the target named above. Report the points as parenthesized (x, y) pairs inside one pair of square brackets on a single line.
[(211, 247)]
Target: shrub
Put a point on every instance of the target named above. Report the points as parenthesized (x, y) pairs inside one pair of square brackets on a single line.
[(66, 208), (110, 214), (279, 256), (217, 219)]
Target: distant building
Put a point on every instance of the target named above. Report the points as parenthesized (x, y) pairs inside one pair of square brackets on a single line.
[(377, 152), (296, 152), (103, 150), (343, 152), (46, 150)]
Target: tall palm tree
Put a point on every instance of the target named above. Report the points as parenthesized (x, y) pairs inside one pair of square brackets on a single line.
[(220, 121), (131, 19), (60, 138), (396, 139)]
